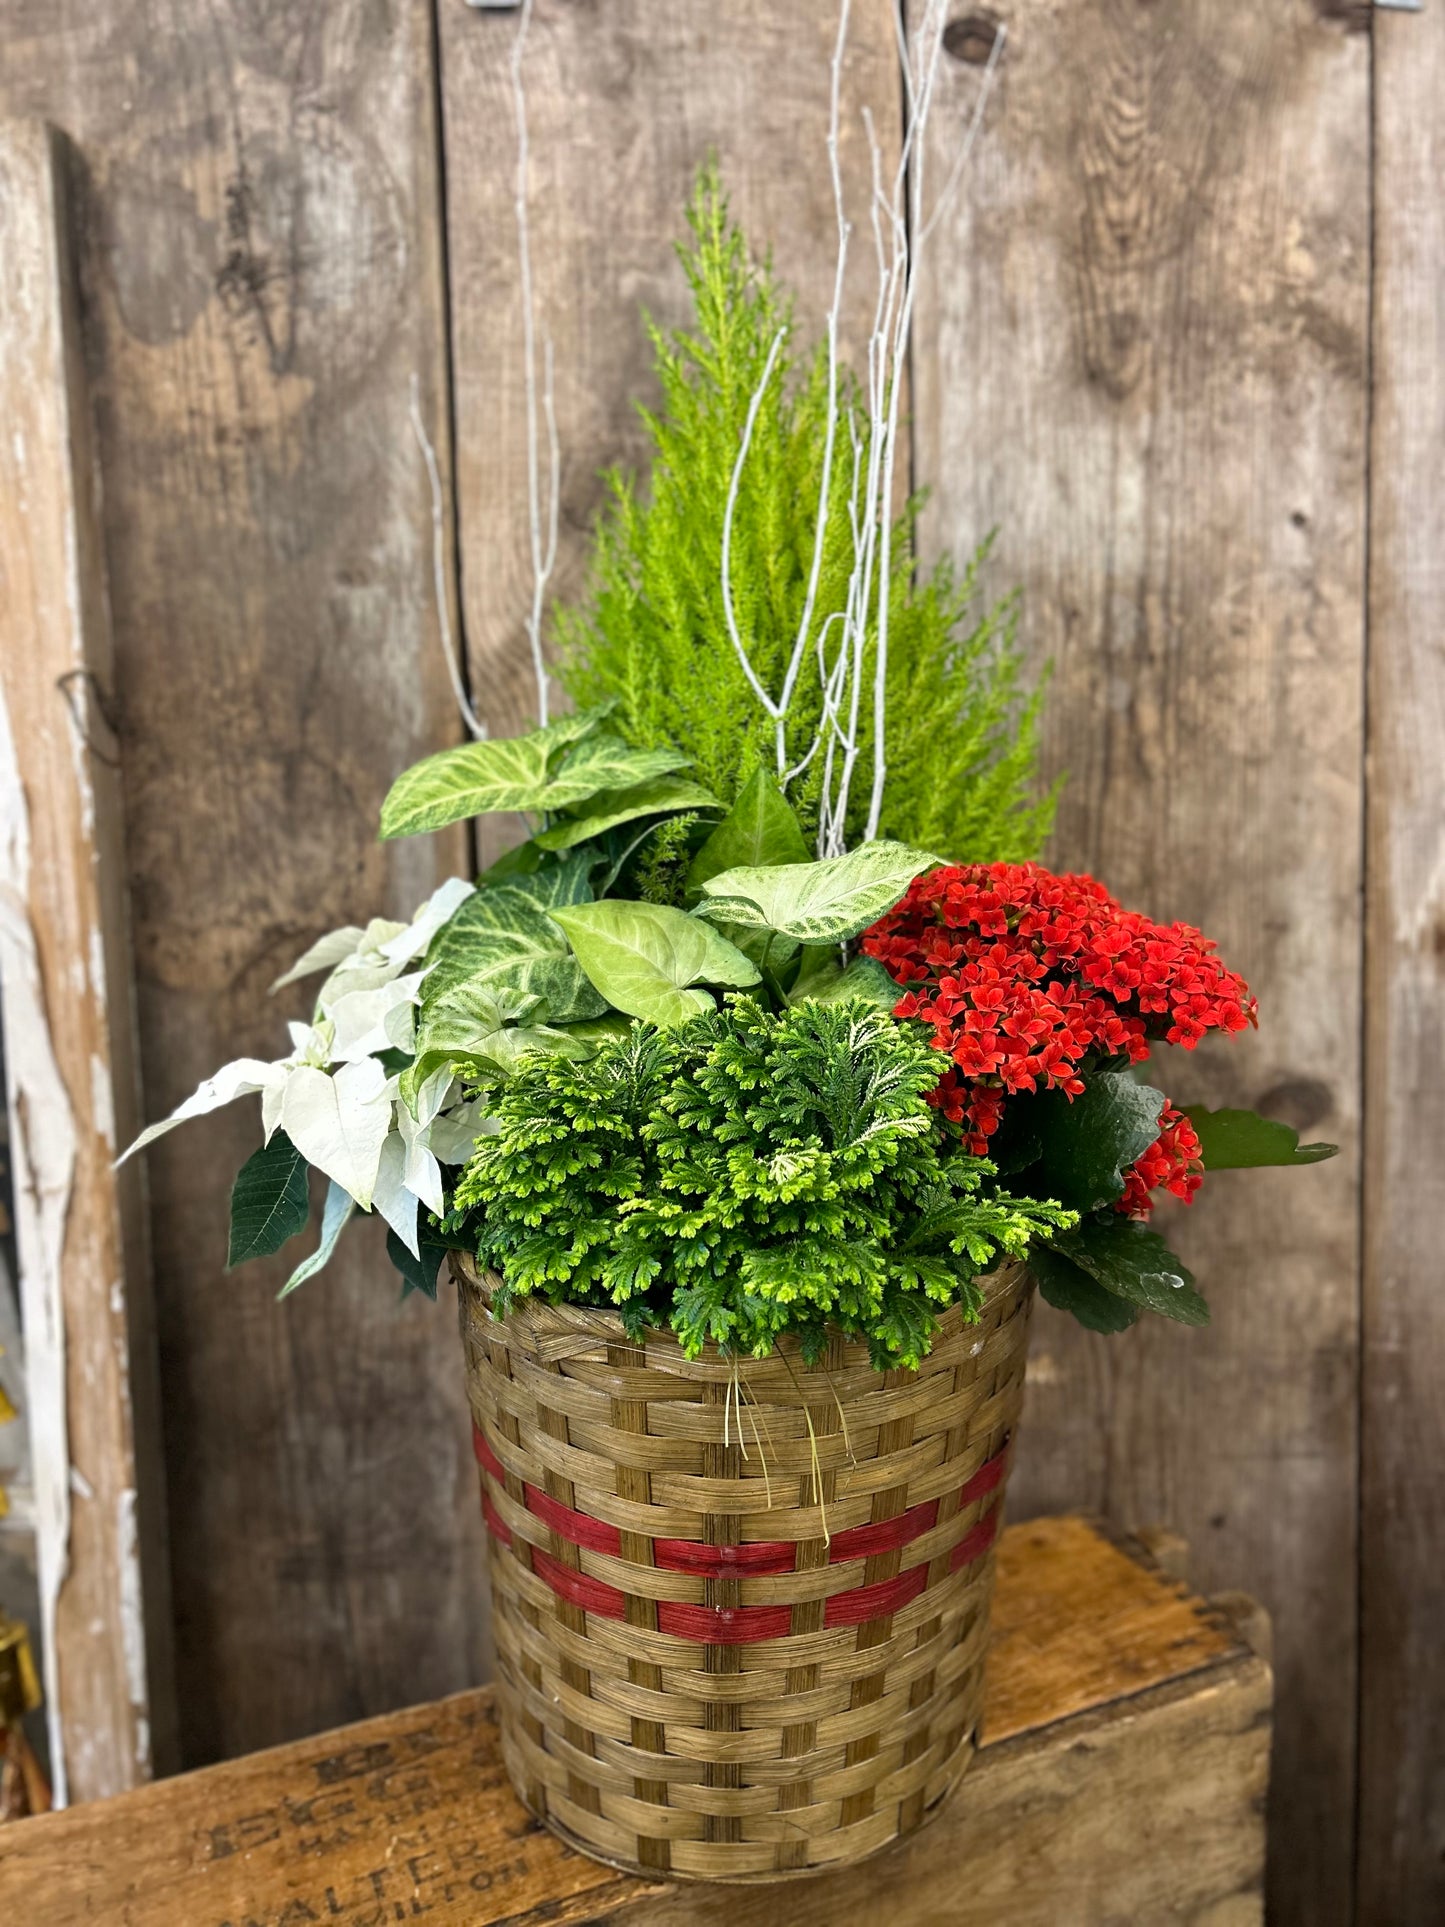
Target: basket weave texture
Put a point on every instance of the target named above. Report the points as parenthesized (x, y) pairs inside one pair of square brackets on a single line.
[(740, 1607)]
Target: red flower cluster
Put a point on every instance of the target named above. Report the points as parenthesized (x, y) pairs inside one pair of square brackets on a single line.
[(1025, 976), (1172, 1163)]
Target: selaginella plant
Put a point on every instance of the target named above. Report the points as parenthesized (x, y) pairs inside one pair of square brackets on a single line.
[(747, 1174)]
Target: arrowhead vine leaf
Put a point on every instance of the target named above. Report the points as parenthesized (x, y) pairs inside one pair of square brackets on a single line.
[(759, 832), (643, 957), (662, 796), (825, 902)]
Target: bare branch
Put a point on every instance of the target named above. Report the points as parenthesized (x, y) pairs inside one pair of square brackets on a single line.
[(820, 530), (475, 727), (541, 564), (730, 513)]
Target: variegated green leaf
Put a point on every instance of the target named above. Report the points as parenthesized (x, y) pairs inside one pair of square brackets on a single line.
[(824, 902), (643, 957)]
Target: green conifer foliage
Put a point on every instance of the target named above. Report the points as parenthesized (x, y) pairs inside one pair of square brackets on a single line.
[(651, 629)]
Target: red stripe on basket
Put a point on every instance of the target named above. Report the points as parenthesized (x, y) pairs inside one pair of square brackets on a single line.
[(975, 1543), (592, 1595), (595, 1534), (876, 1601), (724, 1625), (496, 1524), (740, 1625), (887, 1535), (486, 1458), (724, 1562)]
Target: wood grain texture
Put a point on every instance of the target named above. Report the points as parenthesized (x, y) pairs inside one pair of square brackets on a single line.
[(262, 281), (1146, 1807), (1402, 1804), (69, 1009), (625, 103), (1141, 354)]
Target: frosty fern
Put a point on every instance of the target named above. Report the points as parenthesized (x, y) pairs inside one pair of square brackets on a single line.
[(745, 1175)]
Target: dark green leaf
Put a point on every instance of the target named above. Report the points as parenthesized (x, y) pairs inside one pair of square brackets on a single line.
[(1066, 1288), (269, 1201), (864, 978), (760, 831), (1134, 1263), (520, 862), (1243, 1140), (664, 795), (1087, 1145), (419, 1273)]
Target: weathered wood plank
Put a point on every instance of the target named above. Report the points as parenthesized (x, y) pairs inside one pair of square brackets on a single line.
[(262, 281), (68, 1009), (1141, 354), (1402, 1794), (1147, 1806), (625, 104)]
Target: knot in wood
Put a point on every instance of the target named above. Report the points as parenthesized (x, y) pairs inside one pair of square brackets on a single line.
[(971, 37)]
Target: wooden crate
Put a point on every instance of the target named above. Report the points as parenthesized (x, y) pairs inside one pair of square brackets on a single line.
[(1122, 1777)]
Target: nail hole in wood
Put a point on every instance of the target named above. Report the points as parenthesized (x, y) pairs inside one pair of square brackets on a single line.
[(971, 37)]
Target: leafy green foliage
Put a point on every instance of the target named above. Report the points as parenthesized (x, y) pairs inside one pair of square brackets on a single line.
[(864, 979), (1131, 1263), (512, 773), (1066, 1287), (659, 797), (418, 1273), (744, 1175), (504, 941), (642, 957), (825, 902), (760, 830), (1243, 1140), (269, 1201), (1082, 1147), (651, 633)]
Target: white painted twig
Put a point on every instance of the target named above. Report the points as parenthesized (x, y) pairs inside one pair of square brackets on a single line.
[(450, 652), (729, 515), (542, 561), (805, 624)]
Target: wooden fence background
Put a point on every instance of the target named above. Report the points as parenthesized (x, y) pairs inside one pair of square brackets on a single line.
[(1182, 342)]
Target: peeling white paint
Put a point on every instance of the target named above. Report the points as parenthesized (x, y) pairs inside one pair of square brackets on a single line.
[(80, 1485), (132, 1622), (43, 1140), (102, 1101)]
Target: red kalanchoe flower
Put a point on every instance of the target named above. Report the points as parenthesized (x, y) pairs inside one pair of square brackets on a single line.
[(1172, 1163), (1027, 978)]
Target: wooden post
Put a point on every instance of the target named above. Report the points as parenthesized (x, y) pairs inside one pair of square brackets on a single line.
[(1402, 1577), (65, 960), (1141, 356)]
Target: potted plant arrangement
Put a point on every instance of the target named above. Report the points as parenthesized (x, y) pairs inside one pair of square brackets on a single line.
[(748, 1100)]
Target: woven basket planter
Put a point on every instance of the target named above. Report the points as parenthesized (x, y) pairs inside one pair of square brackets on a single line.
[(741, 1610)]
